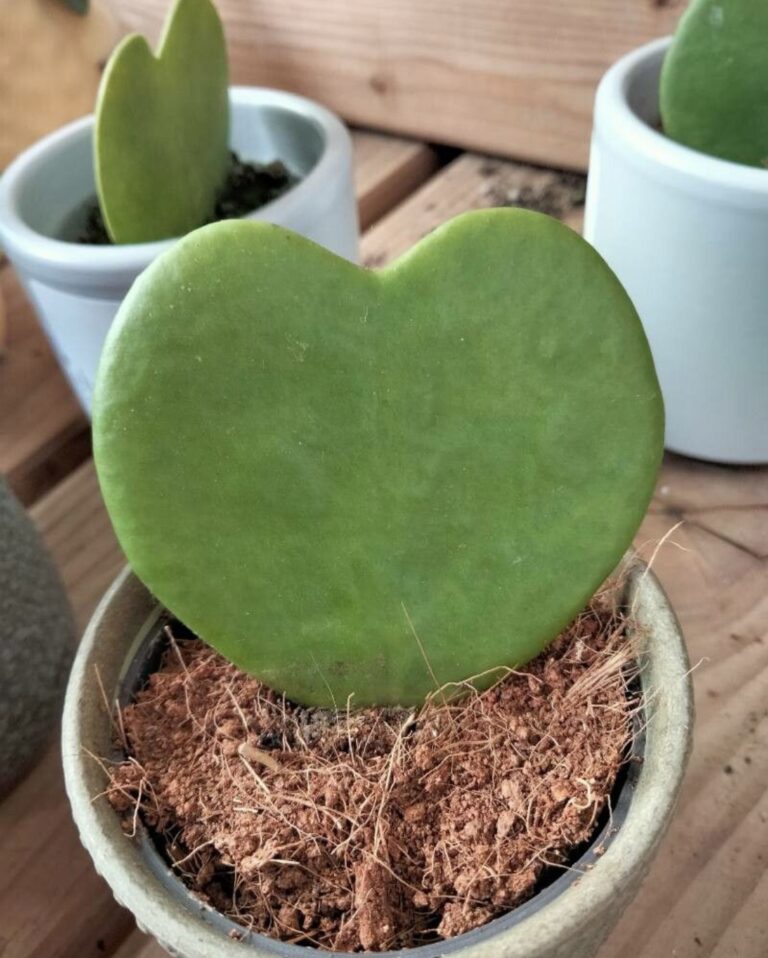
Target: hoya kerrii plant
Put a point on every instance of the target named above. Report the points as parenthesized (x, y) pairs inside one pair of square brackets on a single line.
[(161, 133), (714, 82), (357, 484)]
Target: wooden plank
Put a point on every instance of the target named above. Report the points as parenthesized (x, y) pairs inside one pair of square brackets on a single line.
[(705, 885), (43, 431), (79, 535), (513, 77), (387, 170), (139, 945), (52, 903), (697, 898), (472, 182)]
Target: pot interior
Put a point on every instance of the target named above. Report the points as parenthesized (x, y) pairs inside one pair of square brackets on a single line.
[(58, 187), (641, 88), (145, 658)]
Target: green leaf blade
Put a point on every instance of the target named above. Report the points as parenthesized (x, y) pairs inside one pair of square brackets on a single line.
[(162, 128), (714, 81)]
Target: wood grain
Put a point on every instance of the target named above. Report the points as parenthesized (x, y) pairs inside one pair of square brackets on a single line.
[(52, 903), (514, 77), (139, 945), (699, 899), (387, 170), (3, 322), (470, 182), (43, 431), (50, 67)]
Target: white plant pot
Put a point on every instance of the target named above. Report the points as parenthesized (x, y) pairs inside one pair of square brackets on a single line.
[(687, 235), (77, 288)]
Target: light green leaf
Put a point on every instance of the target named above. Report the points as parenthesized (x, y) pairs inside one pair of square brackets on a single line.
[(714, 83), (162, 128)]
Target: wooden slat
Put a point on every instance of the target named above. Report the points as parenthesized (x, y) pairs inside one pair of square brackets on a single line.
[(79, 536), (514, 77), (52, 903), (707, 881), (705, 896), (138, 945), (387, 169), (43, 431), (50, 67), (471, 182)]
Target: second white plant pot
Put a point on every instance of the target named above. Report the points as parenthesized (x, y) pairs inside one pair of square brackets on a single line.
[(687, 235), (78, 288)]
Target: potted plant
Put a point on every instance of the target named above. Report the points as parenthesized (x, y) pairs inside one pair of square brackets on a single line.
[(380, 494), (677, 202), (157, 154)]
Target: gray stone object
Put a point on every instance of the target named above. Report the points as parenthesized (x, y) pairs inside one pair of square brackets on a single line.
[(37, 638)]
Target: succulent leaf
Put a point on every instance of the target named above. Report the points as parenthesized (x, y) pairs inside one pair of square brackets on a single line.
[(358, 483), (162, 128), (714, 82)]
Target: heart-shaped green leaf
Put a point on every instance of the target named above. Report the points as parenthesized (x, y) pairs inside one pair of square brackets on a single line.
[(714, 83), (334, 475), (162, 128)]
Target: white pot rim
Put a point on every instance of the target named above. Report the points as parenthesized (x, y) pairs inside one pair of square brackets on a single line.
[(620, 127), (49, 254)]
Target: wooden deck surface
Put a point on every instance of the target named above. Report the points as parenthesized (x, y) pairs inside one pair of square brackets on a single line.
[(707, 895)]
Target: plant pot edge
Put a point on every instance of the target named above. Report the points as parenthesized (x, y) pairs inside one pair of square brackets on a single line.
[(25, 241), (570, 926), (683, 232)]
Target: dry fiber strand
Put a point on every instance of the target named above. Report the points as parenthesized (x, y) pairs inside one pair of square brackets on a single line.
[(381, 828)]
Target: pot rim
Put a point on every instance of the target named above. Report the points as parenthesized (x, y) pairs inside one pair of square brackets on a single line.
[(594, 898), (623, 129), (101, 262)]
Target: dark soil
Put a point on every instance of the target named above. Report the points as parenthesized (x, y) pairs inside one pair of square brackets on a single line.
[(248, 186), (382, 828)]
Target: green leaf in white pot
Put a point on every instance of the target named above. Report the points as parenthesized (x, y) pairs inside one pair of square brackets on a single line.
[(714, 82), (162, 128), (334, 475)]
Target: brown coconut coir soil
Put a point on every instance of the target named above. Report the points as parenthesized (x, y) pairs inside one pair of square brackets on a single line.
[(381, 828)]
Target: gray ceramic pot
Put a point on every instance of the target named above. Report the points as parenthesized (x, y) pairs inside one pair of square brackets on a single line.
[(569, 919), (36, 642)]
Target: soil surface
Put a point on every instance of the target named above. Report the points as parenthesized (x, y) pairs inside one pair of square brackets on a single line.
[(248, 186), (382, 828), (553, 192)]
